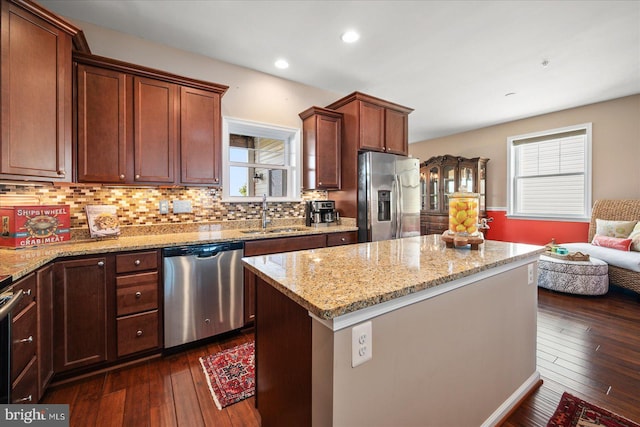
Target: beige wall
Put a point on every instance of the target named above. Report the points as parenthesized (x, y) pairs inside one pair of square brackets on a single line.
[(615, 146), (475, 344), (252, 95)]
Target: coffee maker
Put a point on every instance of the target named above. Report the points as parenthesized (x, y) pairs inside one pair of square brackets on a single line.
[(321, 213)]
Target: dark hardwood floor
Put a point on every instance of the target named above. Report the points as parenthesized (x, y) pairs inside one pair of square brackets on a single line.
[(588, 346)]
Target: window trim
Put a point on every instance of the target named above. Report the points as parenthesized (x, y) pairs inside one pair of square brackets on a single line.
[(252, 128), (588, 175)]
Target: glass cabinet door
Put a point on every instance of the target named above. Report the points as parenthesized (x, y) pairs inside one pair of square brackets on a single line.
[(434, 180), (449, 176), (482, 183), (466, 179)]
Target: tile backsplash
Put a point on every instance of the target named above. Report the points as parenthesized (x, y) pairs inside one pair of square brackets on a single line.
[(140, 206)]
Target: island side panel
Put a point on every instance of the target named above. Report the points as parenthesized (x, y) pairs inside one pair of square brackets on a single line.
[(449, 360), (283, 359)]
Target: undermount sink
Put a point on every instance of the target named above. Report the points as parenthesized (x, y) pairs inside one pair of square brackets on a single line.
[(274, 230), (285, 230)]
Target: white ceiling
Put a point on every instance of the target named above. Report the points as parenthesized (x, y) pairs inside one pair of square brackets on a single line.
[(452, 61)]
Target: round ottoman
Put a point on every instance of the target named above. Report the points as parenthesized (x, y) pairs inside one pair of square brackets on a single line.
[(574, 277)]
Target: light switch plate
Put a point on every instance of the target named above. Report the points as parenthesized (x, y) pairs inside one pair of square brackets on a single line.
[(181, 206)]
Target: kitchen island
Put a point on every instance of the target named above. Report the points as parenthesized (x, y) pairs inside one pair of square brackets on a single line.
[(452, 339)]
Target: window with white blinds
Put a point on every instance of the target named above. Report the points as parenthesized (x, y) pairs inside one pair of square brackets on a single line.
[(550, 174)]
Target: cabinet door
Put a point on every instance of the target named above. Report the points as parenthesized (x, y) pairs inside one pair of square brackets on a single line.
[(35, 97), (328, 136), (155, 130), (102, 124), (45, 328), (200, 133), (396, 132), (371, 127), (82, 312)]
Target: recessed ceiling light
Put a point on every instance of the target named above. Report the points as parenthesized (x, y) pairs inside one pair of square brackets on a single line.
[(282, 64), (350, 36)]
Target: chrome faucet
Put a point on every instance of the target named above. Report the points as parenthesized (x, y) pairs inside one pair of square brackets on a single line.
[(265, 221)]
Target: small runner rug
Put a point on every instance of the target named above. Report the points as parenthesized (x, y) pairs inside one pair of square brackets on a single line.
[(231, 374), (574, 412)]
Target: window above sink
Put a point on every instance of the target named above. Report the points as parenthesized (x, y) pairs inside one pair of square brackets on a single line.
[(260, 159)]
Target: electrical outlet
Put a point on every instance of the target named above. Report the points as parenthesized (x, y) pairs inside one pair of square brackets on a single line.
[(163, 206), (361, 344), (530, 274), (181, 206)]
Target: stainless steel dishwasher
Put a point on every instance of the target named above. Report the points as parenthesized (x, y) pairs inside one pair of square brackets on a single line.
[(203, 291)]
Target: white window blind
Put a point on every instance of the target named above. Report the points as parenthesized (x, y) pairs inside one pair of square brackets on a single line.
[(550, 174)]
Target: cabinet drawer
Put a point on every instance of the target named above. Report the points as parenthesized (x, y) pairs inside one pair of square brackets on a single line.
[(346, 238), (24, 343), (136, 293), (28, 285), (25, 387), (138, 261), (137, 332)]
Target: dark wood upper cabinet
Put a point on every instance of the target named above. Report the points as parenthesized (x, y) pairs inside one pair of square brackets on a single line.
[(139, 125), (200, 137), (368, 124), (155, 124), (321, 148), (36, 93), (103, 97), (373, 124)]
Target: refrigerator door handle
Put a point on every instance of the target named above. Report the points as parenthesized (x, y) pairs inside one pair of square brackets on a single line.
[(399, 206)]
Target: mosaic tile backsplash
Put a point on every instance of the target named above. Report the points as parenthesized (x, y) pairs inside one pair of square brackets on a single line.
[(139, 206)]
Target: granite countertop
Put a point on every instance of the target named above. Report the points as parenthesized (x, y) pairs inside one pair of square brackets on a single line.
[(335, 281), (20, 262)]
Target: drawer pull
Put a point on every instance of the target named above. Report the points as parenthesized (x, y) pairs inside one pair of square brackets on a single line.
[(139, 333), (24, 399), (138, 294), (207, 321), (100, 263), (27, 292), (342, 239), (136, 262), (25, 340), (121, 176)]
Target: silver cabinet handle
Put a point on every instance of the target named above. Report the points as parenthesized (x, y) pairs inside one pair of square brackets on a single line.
[(137, 176), (61, 172), (136, 262), (27, 292), (25, 340), (24, 399), (216, 180), (139, 333), (100, 263), (138, 294), (343, 239), (121, 176)]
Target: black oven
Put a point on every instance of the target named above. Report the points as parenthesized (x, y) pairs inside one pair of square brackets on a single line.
[(8, 300)]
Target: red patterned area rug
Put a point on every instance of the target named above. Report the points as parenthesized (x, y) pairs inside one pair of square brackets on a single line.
[(231, 374), (574, 412)]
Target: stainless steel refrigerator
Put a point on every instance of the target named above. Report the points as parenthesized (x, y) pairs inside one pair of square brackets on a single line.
[(388, 196)]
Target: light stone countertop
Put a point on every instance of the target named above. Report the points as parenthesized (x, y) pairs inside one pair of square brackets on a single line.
[(20, 262), (335, 281)]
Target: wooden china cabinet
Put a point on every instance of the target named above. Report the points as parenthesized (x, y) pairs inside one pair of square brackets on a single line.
[(440, 177)]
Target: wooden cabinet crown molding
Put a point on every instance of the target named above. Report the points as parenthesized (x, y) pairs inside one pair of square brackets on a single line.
[(139, 70), (359, 96), (48, 16)]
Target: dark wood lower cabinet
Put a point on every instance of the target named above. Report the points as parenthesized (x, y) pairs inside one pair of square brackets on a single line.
[(45, 327), (84, 312), (283, 359)]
